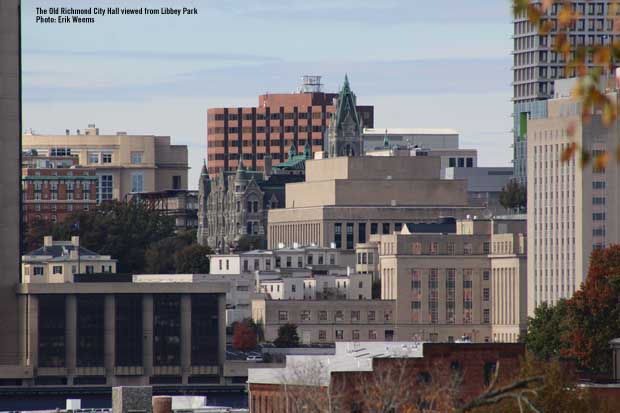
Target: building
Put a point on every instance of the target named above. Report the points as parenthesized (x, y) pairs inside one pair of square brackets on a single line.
[(433, 139), (335, 205), (235, 203), (115, 329), (344, 134), (10, 127), (279, 121), (571, 209), (54, 187), (60, 261), (434, 287), (179, 204), (124, 163), (353, 375), (484, 185), (536, 65)]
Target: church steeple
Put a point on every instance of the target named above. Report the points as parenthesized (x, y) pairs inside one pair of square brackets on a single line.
[(292, 151), (386, 140), (308, 149), (345, 128), (203, 171), (240, 166)]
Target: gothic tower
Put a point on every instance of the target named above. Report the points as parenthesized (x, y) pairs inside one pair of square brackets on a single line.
[(344, 135), (204, 190)]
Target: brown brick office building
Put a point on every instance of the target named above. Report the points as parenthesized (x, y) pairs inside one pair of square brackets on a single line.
[(279, 121)]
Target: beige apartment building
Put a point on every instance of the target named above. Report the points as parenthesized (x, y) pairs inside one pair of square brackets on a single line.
[(345, 200), (124, 163), (434, 287), (571, 209)]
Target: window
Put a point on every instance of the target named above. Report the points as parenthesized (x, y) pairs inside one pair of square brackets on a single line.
[(355, 316), (322, 315), (372, 334), (338, 315), (338, 235), (486, 274), (467, 248), (371, 315), (93, 157), (416, 305), (355, 335), (450, 248), (106, 158), (339, 334), (332, 259), (137, 182), (300, 262), (293, 288), (57, 269), (349, 235), (176, 182), (104, 190), (38, 270), (470, 162), (386, 228), (282, 315), (486, 294), (136, 158), (486, 247), (361, 232), (90, 269), (452, 162), (322, 335), (305, 315), (374, 228), (289, 262), (486, 316)]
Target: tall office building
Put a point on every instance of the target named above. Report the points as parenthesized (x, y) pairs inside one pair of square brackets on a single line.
[(10, 125), (536, 66), (571, 210), (279, 121)]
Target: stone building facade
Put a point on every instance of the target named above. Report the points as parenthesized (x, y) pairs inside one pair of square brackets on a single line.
[(235, 204), (344, 135)]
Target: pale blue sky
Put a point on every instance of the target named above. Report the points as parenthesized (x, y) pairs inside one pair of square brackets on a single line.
[(440, 63)]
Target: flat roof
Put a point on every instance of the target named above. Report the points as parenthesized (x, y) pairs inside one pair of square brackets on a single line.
[(410, 131)]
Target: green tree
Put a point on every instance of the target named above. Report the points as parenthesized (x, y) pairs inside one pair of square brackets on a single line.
[(546, 329), (287, 336), (249, 243), (193, 259), (161, 256), (514, 197)]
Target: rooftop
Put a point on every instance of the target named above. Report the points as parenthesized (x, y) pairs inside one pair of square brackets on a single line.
[(409, 131)]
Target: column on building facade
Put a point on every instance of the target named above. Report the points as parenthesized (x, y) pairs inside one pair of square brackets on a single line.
[(109, 335), (70, 335), (147, 334), (32, 329), (186, 336)]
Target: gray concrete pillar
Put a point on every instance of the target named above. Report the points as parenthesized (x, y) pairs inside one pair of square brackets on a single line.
[(109, 345), (147, 334), (186, 336), (70, 336), (32, 341)]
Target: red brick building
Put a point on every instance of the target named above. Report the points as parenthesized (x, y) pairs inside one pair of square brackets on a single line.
[(53, 187), (279, 121), (352, 378)]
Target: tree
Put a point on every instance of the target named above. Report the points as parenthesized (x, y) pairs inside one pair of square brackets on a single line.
[(249, 243), (287, 336), (244, 337), (546, 329), (161, 256), (193, 259), (513, 197), (594, 312)]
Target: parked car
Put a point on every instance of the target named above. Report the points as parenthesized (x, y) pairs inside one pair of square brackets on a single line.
[(256, 359)]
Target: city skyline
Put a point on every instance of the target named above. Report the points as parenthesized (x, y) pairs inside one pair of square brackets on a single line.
[(161, 80)]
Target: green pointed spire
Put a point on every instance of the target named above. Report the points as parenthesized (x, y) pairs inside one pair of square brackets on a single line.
[(386, 140), (240, 166), (292, 151), (308, 149), (203, 171)]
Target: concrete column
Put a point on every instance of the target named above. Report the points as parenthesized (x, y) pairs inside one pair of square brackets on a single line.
[(221, 316), (147, 334), (32, 341), (186, 336), (109, 336), (70, 335)]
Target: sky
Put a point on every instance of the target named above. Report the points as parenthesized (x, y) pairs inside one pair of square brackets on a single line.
[(422, 64)]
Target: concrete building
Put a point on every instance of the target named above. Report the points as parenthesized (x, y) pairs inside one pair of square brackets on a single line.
[(571, 209), (279, 121), (433, 139), (343, 379), (179, 204), (59, 261), (10, 126), (335, 203), (536, 65), (115, 329), (124, 163), (434, 287), (484, 185), (54, 187)]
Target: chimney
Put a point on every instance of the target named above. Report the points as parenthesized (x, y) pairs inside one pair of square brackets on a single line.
[(77, 132), (48, 241), (75, 241)]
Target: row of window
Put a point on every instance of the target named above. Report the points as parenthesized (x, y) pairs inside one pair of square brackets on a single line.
[(271, 116), (263, 129), (337, 315), (58, 269), (310, 260)]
